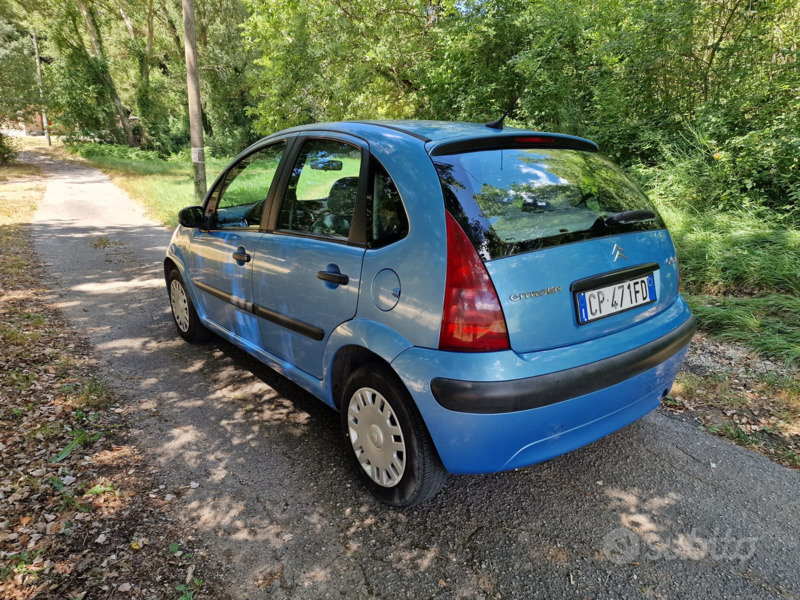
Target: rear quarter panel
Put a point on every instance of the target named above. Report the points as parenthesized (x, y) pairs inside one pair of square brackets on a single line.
[(419, 259)]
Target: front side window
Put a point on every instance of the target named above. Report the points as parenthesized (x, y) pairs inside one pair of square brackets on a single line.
[(241, 196), (517, 200), (323, 188)]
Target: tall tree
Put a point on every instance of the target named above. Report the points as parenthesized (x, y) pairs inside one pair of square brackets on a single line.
[(99, 52)]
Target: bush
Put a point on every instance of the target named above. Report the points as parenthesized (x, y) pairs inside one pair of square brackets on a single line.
[(8, 150)]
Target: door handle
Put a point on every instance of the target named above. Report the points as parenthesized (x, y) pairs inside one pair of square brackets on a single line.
[(241, 256), (337, 278)]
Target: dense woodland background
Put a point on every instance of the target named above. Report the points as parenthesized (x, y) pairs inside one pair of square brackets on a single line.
[(709, 87)]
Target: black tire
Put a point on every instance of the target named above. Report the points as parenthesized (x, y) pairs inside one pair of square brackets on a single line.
[(423, 474), (188, 324)]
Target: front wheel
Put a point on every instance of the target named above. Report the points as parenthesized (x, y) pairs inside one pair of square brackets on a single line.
[(183, 312), (387, 440)]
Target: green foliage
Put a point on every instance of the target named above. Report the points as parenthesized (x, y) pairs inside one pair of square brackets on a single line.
[(327, 60), (7, 149), (18, 90), (698, 98), (80, 97), (87, 150), (767, 324)]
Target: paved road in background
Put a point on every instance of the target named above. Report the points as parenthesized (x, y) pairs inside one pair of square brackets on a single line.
[(657, 510)]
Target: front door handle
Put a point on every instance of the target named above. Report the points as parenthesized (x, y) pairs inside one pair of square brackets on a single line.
[(337, 278), (241, 257)]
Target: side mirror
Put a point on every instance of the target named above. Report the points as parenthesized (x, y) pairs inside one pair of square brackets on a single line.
[(191, 217)]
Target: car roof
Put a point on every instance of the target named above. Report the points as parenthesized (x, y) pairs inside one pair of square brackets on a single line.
[(437, 133)]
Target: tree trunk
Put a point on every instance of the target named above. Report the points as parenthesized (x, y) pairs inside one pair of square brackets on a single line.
[(128, 23), (148, 51), (171, 27), (45, 124), (97, 45), (195, 108)]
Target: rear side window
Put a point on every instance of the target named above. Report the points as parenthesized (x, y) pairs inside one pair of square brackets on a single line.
[(517, 200), (386, 217)]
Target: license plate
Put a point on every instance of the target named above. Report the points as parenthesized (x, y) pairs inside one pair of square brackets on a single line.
[(612, 299)]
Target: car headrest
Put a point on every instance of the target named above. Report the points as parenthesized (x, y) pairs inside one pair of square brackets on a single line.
[(342, 197)]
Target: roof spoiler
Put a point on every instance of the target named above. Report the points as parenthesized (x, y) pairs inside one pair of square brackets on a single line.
[(516, 141)]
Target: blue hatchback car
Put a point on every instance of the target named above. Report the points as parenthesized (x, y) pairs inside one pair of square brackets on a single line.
[(470, 299)]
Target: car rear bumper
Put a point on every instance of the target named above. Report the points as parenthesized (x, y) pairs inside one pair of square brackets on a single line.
[(508, 420), (542, 390)]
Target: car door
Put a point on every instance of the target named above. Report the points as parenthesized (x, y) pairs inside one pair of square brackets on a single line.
[(307, 269), (222, 256)]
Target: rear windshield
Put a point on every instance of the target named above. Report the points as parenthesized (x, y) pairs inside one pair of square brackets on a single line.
[(518, 200)]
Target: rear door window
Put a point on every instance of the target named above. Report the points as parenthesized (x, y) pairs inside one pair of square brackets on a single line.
[(323, 189), (516, 200)]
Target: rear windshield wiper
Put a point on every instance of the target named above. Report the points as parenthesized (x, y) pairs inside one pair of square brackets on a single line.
[(626, 216)]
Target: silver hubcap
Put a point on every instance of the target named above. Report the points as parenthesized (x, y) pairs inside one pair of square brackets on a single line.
[(180, 305), (376, 437)]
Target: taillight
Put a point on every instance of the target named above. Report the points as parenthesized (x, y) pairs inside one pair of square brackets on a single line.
[(472, 319)]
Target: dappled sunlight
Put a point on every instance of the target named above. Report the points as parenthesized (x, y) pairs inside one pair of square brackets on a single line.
[(116, 286), (640, 514)]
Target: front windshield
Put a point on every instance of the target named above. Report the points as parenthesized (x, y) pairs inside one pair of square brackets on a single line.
[(517, 200)]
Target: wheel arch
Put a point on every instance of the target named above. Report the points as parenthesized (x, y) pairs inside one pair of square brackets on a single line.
[(356, 343)]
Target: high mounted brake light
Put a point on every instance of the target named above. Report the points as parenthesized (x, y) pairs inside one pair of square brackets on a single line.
[(472, 318), (535, 140)]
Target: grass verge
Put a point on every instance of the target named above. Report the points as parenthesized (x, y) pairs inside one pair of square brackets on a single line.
[(758, 411), (768, 324), (740, 273)]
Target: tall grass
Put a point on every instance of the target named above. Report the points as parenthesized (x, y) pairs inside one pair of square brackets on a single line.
[(767, 324), (739, 259)]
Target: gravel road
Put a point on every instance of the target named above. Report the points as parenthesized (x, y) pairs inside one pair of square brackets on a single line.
[(657, 510)]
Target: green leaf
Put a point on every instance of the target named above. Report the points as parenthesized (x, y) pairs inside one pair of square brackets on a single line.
[(98, 490), (80, 437), (174, 547)]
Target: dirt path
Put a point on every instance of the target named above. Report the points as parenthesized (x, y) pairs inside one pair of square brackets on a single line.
[(658, 510)]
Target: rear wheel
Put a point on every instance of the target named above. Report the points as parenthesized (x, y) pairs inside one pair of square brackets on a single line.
[(387, 440), (183, 313)]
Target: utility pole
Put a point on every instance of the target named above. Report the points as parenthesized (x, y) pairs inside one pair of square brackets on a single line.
[(195, 109), (45, 124)]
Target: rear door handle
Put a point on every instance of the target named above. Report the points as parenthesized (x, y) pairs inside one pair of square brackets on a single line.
[(337, 278), (241, 257)]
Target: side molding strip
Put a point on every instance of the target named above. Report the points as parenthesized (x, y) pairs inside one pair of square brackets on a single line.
[(301, 327)]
